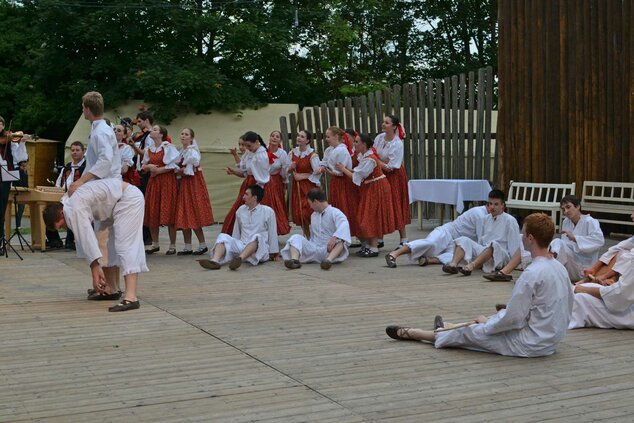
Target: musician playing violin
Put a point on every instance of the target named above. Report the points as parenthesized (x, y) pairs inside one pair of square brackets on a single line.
[(12, 151)]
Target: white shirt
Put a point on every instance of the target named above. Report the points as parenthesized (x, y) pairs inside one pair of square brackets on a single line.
[(390, 152), (502, 229), (127, 155), (467, 222), (331, 222), (364, 168), (537, 314), (94, 200), (102, 155), (280, 164), (258, 220), (170, 154), (258, 166), (589, 239), (190, 157), (619, 296), (334, 155)]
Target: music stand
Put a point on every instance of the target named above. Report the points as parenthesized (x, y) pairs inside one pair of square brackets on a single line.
[(7, 175), (21, 239)]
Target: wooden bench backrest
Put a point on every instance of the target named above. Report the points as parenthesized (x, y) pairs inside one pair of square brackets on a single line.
[(539, 193), (608, 193)]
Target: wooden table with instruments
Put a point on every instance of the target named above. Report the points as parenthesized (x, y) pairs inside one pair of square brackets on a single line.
[(37, 199)]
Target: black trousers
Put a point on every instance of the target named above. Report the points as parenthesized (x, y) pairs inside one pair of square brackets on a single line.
[(5, 189)]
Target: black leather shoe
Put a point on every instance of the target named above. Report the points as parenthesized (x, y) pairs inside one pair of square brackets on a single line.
[(125, 305)]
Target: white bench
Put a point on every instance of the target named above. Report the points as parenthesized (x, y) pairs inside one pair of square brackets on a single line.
[(608, 197), (538, 196)]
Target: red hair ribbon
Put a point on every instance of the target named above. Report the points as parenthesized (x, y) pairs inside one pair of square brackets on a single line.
[(401, 132), (346, 140), (375, 152), (168, 139), (272, 157)]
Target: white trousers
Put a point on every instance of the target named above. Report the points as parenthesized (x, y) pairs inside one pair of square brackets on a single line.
[(472, 250), (566, 256), (309, 252), (590, 312), (234, 247), (439, 243)]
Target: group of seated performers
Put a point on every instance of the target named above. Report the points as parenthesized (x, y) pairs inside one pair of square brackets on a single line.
[(564, 285)]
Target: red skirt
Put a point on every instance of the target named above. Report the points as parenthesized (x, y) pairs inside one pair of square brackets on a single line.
[(160, 200), (344, 195), (274, 197), (376, 212), (400, 197), (132, 176), (230, 218), (300, 208), (193, 207)]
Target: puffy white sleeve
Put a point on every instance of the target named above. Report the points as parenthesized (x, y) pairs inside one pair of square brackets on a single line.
[(259, 167), (362, 171), (339, 155), (18, 150), (315, 163), (146, 156), (127, 156), (343, 227), (591, 239), (170, 156), (517, 311), (105, 155), (191, 159), (395, 154)]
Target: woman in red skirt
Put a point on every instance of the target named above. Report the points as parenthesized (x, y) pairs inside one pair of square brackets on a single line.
[(375, 213), (257, 164), (193, 207), (240, 172), (341, 191), (278, 170), (160, 196), (129, 173), (304, 164), (389, 146)]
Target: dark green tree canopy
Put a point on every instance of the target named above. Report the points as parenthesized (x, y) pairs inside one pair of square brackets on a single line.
[(200, 56)]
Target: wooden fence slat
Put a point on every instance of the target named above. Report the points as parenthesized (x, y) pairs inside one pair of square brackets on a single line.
[(414, 137), (396, 105), (387, 101), (349, 122), (325, 124), (332, 113), (341, 121), (364, 115), (480, 126), (422, 129), (470, 126), (284, 132), (407, 151), (455, 155), (378, 110), (447, 150), (461, 126), (487, 91), (309, 121), (357, 109), (431, 139), (440, 170)]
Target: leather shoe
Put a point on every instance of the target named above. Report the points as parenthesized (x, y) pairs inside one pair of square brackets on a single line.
[(125, 305)]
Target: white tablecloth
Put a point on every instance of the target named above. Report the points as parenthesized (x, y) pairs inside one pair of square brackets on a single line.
[(448, 191)]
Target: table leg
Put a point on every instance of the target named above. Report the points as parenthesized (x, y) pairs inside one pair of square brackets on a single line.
[(419, 205), (37, 226)]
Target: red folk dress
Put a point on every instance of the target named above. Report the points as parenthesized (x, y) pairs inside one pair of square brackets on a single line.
[(391, 153), (375, 214), (160, 194), (300, 208), (193, 206), (342, 193)]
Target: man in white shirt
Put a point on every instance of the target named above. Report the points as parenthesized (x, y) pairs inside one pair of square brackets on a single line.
[(254, 237), (329, 236), (536, 316), (106, 200), (438, 246), (498, 238)]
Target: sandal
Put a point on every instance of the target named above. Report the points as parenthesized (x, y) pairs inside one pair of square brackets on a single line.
[(390, 260), (125, 305), (423, 261), (96, 296), (185, 253), (464, 271), (326, 264), (452, 270), (209, 264), (438, 322), (152, 250), (235, 263), (170, 251), (498, 276), (392, 332), (292, 264)]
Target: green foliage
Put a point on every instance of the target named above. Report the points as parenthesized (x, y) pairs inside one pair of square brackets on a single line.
[(201, 55)]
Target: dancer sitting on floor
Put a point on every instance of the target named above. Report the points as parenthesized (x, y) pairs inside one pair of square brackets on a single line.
[(537, 314), (438, 246), (611, 306), (498, 238), (254, 237), (329, 236)]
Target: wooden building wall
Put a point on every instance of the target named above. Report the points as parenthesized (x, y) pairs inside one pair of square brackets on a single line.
[(566, 86)]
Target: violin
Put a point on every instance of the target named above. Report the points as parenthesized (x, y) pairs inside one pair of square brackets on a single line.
[(19, 136)]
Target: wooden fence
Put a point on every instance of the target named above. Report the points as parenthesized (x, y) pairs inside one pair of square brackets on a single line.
[(448, 124)]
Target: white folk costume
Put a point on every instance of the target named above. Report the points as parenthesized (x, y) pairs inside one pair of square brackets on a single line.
[(323, 226), (584, 251), (120, 213), (615, 309), (440, 242), (102, 154), (193, 206), (535, 319), (501, 233), (250, 225), (624, 254)]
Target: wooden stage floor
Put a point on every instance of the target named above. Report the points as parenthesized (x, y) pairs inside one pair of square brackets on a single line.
[(269, 344)]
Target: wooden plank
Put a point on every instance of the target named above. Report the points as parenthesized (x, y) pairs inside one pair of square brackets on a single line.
[(378, 110), (349, 121), (332, 113), (462, 138), (455, 152), (488, 107), (357, 113), (365, 119), (446, 135), (341, 120), (286, 142), (318, 134), (478, 169), (439, 100), (431, 141), (309, 121), (415, 138), (407, 127), (471, 127), (422, 137)]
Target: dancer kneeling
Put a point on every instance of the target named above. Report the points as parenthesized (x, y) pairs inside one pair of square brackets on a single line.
[(113, 203), (536, 316), (329, 236), (254, 235)]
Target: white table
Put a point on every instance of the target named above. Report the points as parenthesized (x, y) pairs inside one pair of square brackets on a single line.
[(447, 191)]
